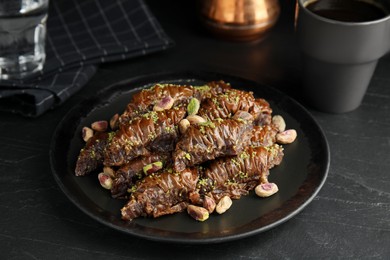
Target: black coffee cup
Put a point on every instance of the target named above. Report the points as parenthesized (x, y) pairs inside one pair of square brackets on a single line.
[(341, 43)]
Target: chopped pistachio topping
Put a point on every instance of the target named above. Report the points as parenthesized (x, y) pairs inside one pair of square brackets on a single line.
[(242, 175), (208, 124), (241, 120), (152, 114), (132, 189), (202, 182), (152, 167), (204, 88), (235, 162), (110, 136), (230, 182), (244, 155), (170, 129), (151, 136)]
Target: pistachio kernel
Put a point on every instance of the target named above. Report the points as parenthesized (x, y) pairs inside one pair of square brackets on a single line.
[(183, 125), (105, 180), (108, 170), (209, 204), (279, 123), (114, 122), (152, 167), (100, 126), (223, 205), (87, 133), (164, 104), (286, 137), (198, 213), (195, 119), (266, 189), (193, 106)]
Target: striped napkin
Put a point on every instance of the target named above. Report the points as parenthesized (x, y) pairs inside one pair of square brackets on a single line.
[(81, 35)]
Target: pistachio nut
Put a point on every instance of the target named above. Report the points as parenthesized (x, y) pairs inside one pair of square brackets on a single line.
[(198, 213), (279, 123), (100, 126), (108, 170), (223, 205), (266, 189), (195, 119), (209, 204), (183, 125), (152, 167), (164, 104), (87, 133), (114, 122), (286, 137), (105, 180), (193, 106)]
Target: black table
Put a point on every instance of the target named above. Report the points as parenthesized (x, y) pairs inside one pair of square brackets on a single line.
[(350, 217)]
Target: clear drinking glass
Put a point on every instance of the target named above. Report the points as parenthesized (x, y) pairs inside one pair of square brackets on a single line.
[(22, 37)]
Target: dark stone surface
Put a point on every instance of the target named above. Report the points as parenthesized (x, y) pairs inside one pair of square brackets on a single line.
[(348, 219)]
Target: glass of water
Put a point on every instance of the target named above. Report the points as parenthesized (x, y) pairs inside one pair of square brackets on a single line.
[(22, 37)]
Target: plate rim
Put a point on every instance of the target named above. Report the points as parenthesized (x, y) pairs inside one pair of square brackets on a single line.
[(198, 75)]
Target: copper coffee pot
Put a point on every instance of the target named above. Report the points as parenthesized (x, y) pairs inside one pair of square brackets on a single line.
[(239, 19)]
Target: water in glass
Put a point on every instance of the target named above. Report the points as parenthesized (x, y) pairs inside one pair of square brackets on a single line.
[(22, 37)]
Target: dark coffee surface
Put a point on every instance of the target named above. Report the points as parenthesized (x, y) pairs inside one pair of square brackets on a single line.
[(347, 10)]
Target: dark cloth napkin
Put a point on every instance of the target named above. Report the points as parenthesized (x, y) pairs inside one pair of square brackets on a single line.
[(80, 36)]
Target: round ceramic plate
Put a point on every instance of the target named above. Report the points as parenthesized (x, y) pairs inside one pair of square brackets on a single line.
[(299, 177)]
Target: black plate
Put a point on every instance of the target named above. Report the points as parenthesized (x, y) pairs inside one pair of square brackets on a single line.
[(299, 177)]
